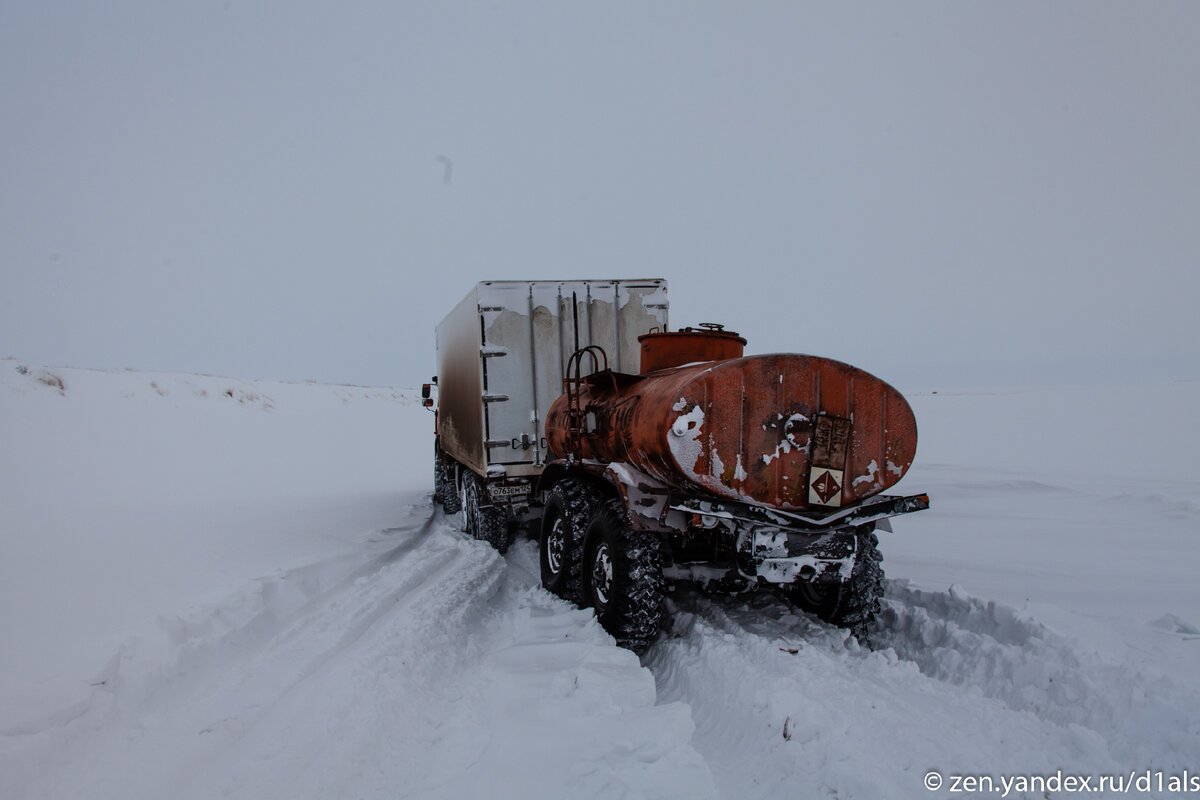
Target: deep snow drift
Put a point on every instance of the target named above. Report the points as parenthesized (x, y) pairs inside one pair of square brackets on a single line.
[(216, 587)]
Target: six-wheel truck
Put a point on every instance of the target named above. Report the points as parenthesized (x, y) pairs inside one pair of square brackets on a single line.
[(644, 457)]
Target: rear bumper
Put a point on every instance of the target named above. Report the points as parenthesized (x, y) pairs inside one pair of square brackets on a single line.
[(783, 557), (792, 547), (876, 508)]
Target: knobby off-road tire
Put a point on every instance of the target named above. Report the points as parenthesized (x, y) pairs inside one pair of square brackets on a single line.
[(478, 517), (439, 474), (622, 577), (569, 508), (855, 604), (451, 495), (491, 526), (465, 520)]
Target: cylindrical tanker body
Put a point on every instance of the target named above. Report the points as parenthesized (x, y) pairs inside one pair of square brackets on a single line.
[(787, 431)]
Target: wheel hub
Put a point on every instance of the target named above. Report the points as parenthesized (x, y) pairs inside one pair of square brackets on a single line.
[(555, 544), (467, 500), (602, 573), (818, 598)]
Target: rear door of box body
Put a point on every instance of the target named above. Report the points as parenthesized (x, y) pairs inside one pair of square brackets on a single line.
[(530, 330)]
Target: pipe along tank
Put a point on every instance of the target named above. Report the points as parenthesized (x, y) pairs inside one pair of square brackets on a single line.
[(725, 470)]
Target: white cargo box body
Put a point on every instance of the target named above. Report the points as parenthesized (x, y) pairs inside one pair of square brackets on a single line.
[(502, 355)]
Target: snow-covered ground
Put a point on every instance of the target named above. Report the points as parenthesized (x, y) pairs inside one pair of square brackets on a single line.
[(212, 587)]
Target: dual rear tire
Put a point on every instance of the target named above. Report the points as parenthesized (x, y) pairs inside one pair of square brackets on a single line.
[(464, 495), (590, 556), (445, 482), (478, 517)]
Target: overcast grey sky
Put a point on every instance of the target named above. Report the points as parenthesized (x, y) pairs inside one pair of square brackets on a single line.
[(941, 193)]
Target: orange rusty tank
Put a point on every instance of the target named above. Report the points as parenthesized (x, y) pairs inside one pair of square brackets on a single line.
[(787, 431)]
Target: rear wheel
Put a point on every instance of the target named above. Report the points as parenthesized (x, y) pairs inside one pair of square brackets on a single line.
[(466, 503), (491, 526), (569, 507), (854, 604), (439, 474), (480, 518), (622, 577), (451, 494)]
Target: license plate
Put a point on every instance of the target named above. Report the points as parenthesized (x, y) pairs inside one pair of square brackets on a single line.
[(508, 491)]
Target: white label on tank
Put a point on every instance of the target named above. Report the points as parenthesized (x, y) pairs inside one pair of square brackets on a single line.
[(825, 487)]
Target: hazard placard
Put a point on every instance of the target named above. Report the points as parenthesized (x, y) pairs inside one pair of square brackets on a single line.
[(825, 487)]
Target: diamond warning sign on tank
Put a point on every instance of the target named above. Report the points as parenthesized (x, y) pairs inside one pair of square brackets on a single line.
[(825, 487)]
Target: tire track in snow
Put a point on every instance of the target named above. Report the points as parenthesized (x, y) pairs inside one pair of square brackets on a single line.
[(432, 669), (365, 723), (285, 610), (491, 683), (224, 713), (555, 709), (339, 622)]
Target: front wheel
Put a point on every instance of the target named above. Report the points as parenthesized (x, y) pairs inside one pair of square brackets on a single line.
[(622, 577)]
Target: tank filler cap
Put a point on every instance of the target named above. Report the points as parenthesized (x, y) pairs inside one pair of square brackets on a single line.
[(710, 329)]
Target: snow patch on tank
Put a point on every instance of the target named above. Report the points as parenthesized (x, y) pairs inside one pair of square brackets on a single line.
[(684, 438), (872, 476), (645, 495), (783, 447), (788, 442), (687, 426), (718, 466)]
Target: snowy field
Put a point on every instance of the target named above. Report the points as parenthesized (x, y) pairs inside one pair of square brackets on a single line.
[(219, 588)]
